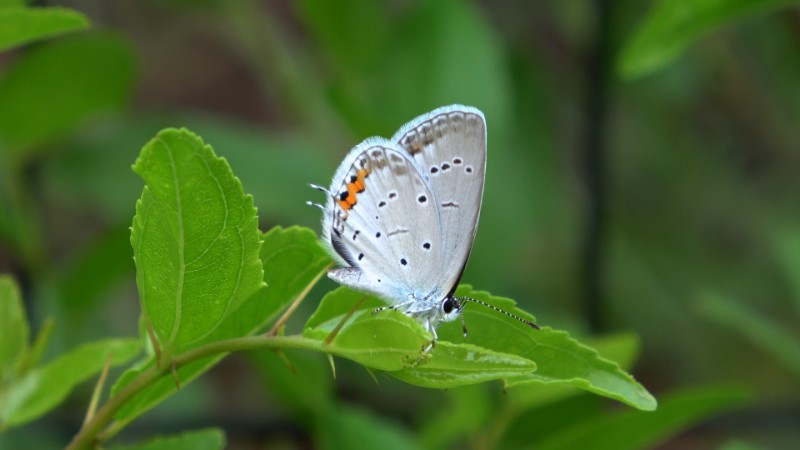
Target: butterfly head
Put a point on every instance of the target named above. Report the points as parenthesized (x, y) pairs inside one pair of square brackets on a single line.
[(450, 309)]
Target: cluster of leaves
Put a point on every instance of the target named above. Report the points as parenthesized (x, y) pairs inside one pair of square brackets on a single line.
[(201, 302)]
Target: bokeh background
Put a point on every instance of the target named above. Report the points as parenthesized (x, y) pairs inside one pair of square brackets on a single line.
[(643, 178)]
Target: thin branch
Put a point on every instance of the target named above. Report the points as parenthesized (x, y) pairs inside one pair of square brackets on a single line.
[(98, 389), (595, 153), (87, 436), (299, 299)]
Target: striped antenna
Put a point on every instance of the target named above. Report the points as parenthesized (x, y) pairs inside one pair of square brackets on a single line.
[(513, 316), (320, 188)]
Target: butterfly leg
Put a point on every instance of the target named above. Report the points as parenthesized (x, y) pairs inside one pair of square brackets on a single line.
[(399, 307), (432, 343)]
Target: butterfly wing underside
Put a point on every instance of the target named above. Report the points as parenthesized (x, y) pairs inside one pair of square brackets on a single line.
[(449, 148), (403, 213), (383, 223)]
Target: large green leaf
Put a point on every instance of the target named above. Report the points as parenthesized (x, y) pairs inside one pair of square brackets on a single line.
[(671, 26), (195, 239), (208, 439), (640, 429), (20, 25), (292, 259), (498, 347), (54, 87), (559, 358), (621, 348), (386, 341), (453, 365), (393, 342), (43, 388), (14, 331)]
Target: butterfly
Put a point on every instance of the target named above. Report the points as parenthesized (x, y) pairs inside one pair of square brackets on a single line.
[(402, 214)]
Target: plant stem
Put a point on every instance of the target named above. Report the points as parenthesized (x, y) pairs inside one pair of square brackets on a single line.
[(87, 435), (594, 161)]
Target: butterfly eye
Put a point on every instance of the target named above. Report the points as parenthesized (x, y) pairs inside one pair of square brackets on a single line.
[(447, 306), (450, 305)]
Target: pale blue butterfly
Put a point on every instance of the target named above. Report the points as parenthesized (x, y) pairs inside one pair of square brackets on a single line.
[(402, 214)]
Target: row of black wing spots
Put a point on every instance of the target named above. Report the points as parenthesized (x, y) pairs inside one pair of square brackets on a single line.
[(362, 216), (422, 199), (426, 133), (381, 205), (346, 229), (449, 128), (445, 166)]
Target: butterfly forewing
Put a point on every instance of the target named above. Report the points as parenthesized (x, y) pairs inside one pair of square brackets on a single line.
[(449, 148), (383, 222)]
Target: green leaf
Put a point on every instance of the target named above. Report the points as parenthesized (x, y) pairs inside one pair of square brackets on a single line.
[(671, 26), (195, 239), (676, 412), (768, 335), (292, 259), (207, 439), (453, 365), (393, 342), (559, 358), (385, 341), (35, 352), (333, 306), (622, 348), (346, 427), (14, 332), (20, 25), (43, 388), (77, 78)]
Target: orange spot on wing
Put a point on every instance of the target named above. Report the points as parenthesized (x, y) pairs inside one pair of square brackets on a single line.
[(352, 189)]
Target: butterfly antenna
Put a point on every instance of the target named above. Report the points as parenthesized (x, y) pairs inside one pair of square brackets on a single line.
[(320, 188), (513, 316)]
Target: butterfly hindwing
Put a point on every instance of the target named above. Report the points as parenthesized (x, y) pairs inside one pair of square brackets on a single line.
[(449, 148)]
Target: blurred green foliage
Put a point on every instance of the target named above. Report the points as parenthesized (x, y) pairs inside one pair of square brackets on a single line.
[(701, 258)]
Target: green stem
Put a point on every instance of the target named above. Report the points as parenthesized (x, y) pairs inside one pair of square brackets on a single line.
[(87, 436)]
